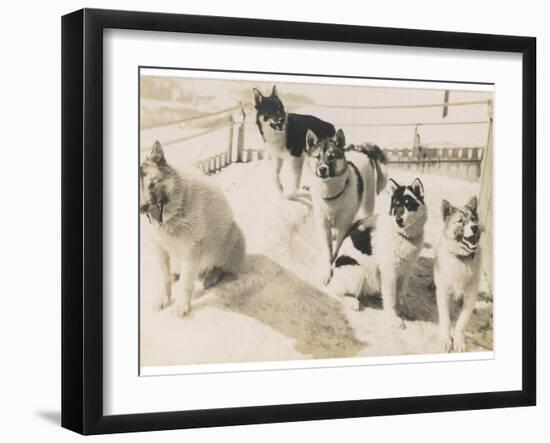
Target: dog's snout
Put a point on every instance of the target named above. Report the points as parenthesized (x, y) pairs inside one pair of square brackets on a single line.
[(399, 221), (322, 171), (474, 228)]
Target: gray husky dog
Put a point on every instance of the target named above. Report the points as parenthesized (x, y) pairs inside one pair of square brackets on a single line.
[(346, 181), (379, 253), (192, 227), (457, 269)]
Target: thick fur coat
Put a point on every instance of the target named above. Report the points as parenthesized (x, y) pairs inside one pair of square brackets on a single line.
[(192, 227), (379, 252), (457, 270)]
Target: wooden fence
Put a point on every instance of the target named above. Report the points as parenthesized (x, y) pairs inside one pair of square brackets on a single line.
[(458, 162)]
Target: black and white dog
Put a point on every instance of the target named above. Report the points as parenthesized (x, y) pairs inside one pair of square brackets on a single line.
[(379, 252), (284, 135)]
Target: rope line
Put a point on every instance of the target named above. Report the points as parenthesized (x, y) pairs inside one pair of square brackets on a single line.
[(425, 105), (198, 117), (189, 137), (349, 125), (333, 106)]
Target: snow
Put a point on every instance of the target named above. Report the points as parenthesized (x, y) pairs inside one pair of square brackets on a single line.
[(275, 310)]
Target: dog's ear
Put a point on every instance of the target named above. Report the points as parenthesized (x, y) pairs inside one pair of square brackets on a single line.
[(340, 139), (393, 186), (446, 209), (311, 140), (258, 96), (472, 204), (274, 91), (418, 188), (157, 154)]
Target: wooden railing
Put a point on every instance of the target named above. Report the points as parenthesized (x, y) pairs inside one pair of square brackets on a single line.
[(460, 162)]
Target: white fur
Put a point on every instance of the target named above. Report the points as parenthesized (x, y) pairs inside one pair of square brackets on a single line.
[(199, 236), (334, 217), (396, 251), (387, 271), (275, 145), (459, 277)]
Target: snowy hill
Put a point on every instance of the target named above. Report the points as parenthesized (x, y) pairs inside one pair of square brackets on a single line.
[(275, 310)]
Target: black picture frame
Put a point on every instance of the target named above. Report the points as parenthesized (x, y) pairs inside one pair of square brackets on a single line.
[(82, 219)]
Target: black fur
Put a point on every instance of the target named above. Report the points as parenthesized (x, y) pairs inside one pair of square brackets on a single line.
[(345, 260), (360, 184), (362, 240), (372, 151), (400, 201), (297, 126)]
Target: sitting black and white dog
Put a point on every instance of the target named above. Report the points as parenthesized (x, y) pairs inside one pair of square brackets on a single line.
[(284, 135), (379, 252)]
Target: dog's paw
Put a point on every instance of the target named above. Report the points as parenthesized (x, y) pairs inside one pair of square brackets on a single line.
[(459, 343), (182, 309), (162, 303), (278, 186), (445, 342)]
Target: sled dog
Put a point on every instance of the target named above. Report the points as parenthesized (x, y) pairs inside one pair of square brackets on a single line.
[(457, 269), (192, 228), (345, 183), (379, 252), (284, 135)]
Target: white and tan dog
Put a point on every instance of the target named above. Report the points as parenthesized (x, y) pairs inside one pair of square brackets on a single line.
[(192, 227), (379, 252), (345, 183), (457, 270)]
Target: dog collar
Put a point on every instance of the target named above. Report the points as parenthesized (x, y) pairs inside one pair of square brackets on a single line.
[(408, 237), (334, 197)]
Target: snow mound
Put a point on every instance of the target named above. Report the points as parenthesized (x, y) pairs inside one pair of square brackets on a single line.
[(275, 310)]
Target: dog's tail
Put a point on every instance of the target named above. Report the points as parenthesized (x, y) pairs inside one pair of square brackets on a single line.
[(378, 159)]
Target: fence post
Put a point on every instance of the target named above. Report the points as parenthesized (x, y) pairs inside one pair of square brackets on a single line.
[(416, 150), (228, 155), (485, 205), (445, 103), (240, 136)]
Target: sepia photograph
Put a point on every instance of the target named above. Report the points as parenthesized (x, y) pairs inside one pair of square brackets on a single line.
[(288, 218)]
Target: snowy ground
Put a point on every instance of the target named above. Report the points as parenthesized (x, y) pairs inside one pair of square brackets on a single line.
[(276, 311)]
